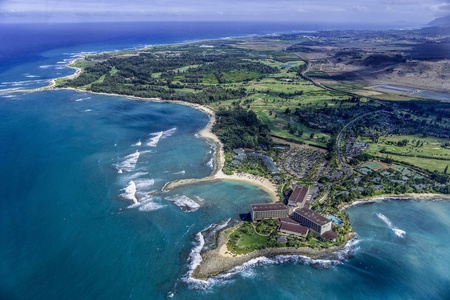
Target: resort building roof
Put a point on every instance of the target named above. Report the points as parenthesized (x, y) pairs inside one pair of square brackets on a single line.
[(299, 195), (312, 215), (268, 206), (287, 220), (294, 229), (329, 235)]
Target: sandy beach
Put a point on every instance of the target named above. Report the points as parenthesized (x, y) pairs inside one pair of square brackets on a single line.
[(385, 197), (220, 260), (218, 174), (219, 160)]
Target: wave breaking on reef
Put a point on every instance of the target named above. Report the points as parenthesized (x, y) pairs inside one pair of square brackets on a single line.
[(185, 203), (129, 162), (195, 259), (398, 232), (129, 192), (157, 136)]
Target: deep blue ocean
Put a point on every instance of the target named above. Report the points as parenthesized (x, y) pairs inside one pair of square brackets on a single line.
[(73, 164)]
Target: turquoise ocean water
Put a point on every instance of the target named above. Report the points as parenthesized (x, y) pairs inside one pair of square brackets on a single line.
[(71, 161)]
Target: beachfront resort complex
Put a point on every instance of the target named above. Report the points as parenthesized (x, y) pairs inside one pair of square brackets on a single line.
[(295, 217)]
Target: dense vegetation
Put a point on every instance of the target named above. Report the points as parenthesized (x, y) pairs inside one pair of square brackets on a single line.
[(248, 237), (240, 128), (363, 146), (173, 75)]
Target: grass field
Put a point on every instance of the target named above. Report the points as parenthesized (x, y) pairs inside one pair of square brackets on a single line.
[(429, 146), (424, 152), (244, 239), (373, 165)]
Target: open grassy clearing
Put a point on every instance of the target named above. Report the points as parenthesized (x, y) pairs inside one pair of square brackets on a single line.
[(427, 164), (416, 146)]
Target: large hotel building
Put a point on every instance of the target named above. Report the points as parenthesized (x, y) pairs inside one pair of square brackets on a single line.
[(297, 210), (269, 211)]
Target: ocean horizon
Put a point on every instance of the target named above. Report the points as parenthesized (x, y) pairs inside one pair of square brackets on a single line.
[(75, 163)]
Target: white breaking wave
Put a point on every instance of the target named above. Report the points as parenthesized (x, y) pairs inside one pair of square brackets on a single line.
[(129, 162), (46, 66), (180, 173), (147, 151), (157, 136), (153, 142), (169, 132), (185, 203), (138, 143), (210, 163), (150, 206), (82, 99), (137, 175), (195, 259), (146, 204), (129, 192), (22, 82), (398, 232), (32, 76), (144, 184), (88, 110)]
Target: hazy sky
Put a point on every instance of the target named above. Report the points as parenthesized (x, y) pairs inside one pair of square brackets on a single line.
[(384, 11)]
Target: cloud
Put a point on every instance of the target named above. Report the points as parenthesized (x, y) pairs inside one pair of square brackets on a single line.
[(442, 9), (361, 8), (244, 10)]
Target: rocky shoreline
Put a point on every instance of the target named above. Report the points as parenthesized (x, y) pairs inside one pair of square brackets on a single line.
[(387, 197), (214, 262)]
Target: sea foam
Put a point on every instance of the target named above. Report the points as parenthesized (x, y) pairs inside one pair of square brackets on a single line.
[(247, 268), (138, 143), (129, 162), (398, 232), (153, 142), (195, 257), (146, 204), (157, 136), (144, 184), (185, 203), (129, 192)]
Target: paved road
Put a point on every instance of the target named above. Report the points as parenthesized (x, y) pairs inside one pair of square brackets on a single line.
[(340, 135)]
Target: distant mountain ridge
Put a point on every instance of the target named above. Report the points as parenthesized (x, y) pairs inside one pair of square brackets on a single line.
[(440, 22)]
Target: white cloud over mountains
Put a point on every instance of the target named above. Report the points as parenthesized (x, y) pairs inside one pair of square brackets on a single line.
[(210, 10)]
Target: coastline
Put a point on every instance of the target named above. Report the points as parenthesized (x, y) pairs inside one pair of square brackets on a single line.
[(207, 134), (219, 260), (386, 197)]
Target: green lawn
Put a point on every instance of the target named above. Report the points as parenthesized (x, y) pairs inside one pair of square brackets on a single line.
[(437, 157)]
